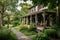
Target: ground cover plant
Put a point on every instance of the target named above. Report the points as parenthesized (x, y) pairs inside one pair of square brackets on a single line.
[(6, 34), (28, 31)]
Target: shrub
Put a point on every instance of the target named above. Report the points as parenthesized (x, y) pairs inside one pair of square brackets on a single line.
[(12, 36), (51, 33), (58, 33), (46, 34), (40, 36), (6, 35), (3, 34), (28, 31), (23, 28), (32, 27), (56, 27)]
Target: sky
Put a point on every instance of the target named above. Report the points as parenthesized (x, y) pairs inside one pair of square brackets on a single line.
[(21, 1)]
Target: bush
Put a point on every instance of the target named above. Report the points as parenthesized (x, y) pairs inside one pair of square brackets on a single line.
[(23, 28), (46, 34), (28, 31), (32, 27), (40, 36), (56, 27), (58, 33), (51, 33), (12, 36), (6, 35), (3, 34)]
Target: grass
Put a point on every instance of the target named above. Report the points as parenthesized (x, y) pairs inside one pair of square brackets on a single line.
[(27, 30), (28, 33)]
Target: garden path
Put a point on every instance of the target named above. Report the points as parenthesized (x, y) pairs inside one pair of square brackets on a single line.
[(20, 35)]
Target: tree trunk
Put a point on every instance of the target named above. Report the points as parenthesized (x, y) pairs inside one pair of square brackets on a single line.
[(1, 19), (57, 16), (57, 13), (8, 21)]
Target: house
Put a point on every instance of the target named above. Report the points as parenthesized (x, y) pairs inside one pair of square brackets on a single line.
[(39, 16)]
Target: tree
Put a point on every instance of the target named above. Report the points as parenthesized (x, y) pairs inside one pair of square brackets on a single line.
[(19, 13), (25, 7), (7, 5)]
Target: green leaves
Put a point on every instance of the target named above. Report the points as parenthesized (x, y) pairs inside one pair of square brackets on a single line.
[(50, 3), (25, 0), (24, 9)]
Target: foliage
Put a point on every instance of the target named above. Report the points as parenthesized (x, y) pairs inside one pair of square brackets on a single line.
[(27, 31), (58, 33), (49, 3), (40, 36), (5, 34), (5, 5), (56, 27), (8, 4), (32, 27), (15, 21), (47, 34), (13, 36), (23, 28), (24, 9), (17, 27), (48, 31)]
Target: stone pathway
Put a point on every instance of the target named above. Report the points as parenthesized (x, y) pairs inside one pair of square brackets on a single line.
[(20, 35)]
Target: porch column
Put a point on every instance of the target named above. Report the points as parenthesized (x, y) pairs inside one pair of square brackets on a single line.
[(26, 20), (50, 20), (43, 14), (31, 19), (20, 19), (23, 20), (36, 19)]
